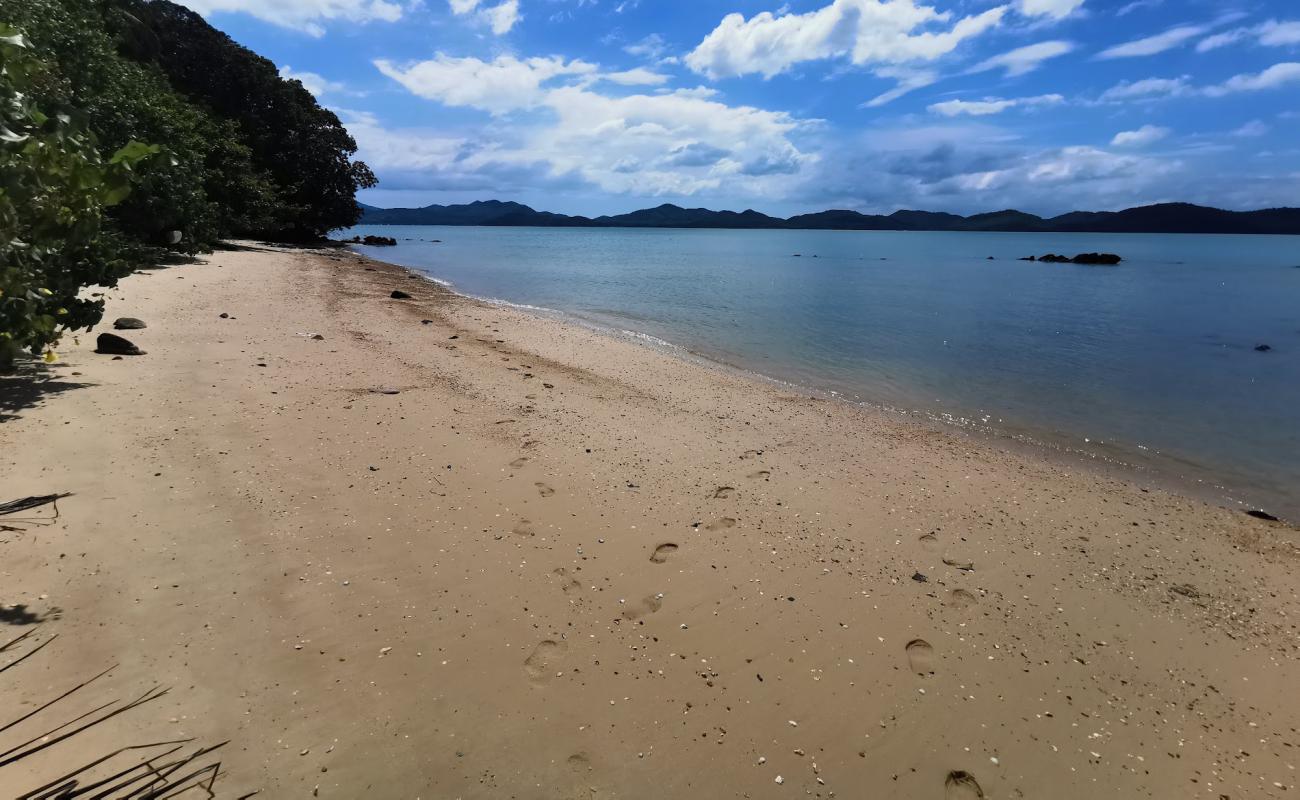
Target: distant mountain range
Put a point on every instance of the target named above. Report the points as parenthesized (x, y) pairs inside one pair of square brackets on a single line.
[(1161, 218)]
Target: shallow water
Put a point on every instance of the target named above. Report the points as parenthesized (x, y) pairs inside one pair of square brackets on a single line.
[(1150, 363)]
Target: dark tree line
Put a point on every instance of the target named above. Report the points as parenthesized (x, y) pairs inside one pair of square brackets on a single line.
[(248, 152), (131, 129)]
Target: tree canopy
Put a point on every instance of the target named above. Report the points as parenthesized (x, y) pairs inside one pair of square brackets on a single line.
[(234, 150)]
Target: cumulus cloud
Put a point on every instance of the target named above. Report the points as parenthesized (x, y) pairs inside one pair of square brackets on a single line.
[(1147, 134), (499, 86), (678, 142), (1274, 77), (1277, 34), (1152, 45), (864, 31), (992, 105), (312, 82), (307, 16), (500, 18), (1055, 9), (1024, 59)]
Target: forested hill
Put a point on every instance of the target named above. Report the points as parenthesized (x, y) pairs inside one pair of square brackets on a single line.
[(248, 153), (1162, 218)]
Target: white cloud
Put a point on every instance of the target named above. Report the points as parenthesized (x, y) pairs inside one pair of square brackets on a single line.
[(636, 77), (308, 16), (1222, 39), (1024, 59), (652, 46), (865, 31), (1271, 78), (908, 80), (1278, 34), (499, 86), (1136, 5), (404, 149), (1080, 164), (1252, 129), (1155, 44), (312, 82), (1147, 134), (1056, 9), (677, 142), (1269, 34), (1147, 88), (501, 18), (992, 105)]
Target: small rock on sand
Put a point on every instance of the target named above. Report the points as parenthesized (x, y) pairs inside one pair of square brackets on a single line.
[(128, 324), (398, 294)]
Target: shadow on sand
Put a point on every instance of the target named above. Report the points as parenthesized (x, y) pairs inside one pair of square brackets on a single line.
[(28, 384)]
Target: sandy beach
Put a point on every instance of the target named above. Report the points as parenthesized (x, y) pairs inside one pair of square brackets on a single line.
[(454, 550)]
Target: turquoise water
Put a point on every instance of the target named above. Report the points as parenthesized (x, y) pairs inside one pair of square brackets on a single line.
[(1151, 363)]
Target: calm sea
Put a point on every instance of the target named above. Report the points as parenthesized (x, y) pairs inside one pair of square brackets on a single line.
[(1151, 363)]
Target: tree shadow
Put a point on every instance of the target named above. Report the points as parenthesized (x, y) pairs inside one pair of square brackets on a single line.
[(21, 615), (27, 385)]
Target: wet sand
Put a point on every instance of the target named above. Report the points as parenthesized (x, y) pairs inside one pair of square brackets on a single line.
[(556, 564)]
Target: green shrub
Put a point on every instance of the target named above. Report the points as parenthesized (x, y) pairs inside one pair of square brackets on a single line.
[(54, 190)]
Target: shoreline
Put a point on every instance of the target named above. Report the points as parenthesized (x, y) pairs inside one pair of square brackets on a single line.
[(493, 554), (1162, 469)]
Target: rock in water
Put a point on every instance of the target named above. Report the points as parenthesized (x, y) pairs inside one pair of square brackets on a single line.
[(1257, 514), (1108, 259), (398, 294), (112, 344), (128, 324), (1262, 348)]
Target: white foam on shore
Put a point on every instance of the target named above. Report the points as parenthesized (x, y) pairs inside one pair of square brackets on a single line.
[(645, 337), (521, 306)]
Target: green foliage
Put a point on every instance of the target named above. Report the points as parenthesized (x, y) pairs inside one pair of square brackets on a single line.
[(251, 154), (240, 152), (54, 191), (303, 148)]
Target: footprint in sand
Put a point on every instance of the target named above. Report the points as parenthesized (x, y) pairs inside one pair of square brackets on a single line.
[(543, 489), (929, 541), (720, 524), (519, 462), (960, 598), (961, 785), (761, 474), (568, 584), (661, 553), (523, 528), (723, 492), (920, 656), (643, 607), (541, 664), (579, 761)]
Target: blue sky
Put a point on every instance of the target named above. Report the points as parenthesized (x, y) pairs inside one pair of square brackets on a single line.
[(603, 106)]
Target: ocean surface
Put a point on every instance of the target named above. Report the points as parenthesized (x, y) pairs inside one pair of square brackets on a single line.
[(1150, 364)]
